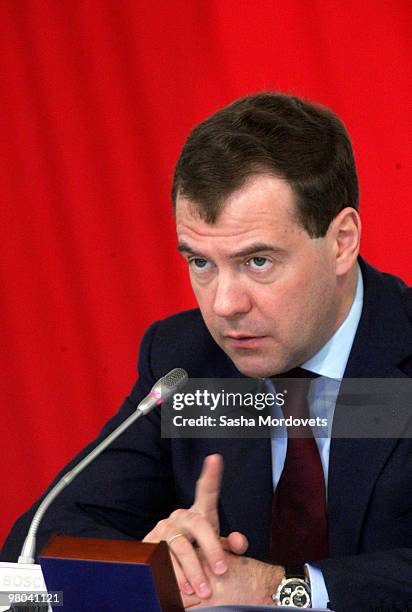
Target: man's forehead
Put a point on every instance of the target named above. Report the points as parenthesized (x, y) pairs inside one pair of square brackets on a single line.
[(260, 203), (230, 226)]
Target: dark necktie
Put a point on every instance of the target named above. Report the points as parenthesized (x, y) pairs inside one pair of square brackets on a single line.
[(299, 524)]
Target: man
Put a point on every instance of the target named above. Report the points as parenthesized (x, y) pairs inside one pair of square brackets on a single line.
[(266, 205)]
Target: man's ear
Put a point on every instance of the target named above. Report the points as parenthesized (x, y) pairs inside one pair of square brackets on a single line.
[(345, 232)]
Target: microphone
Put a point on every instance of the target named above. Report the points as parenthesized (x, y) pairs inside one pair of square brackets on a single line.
[(161, 391)]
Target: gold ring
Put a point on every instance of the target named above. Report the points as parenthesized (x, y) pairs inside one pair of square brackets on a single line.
[(178, 535)]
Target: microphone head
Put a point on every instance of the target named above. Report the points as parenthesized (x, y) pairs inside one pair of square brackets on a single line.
[(169, 384), (174, 379)]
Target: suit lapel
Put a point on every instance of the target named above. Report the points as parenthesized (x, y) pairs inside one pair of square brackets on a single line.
[(382, 341)]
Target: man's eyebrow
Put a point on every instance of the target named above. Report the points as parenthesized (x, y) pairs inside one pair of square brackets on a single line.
[(257, 247), (182, 247)]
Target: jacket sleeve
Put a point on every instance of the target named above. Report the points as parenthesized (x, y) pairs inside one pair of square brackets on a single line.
[(124, 492), (380, 581)]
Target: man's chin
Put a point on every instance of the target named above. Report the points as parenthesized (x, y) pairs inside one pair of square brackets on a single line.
[(254, 366)]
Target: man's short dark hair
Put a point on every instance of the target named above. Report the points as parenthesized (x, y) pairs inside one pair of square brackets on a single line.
[(278, 134)]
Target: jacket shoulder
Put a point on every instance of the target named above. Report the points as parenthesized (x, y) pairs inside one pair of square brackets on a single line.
[(383, 340), (397, 287)]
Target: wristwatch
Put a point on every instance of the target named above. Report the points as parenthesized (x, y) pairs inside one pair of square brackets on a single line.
[(294, 589)]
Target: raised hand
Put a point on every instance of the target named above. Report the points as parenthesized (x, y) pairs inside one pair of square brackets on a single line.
[(196, 529)]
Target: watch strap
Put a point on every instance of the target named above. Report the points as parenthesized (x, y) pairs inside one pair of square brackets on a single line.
[(295, 571)]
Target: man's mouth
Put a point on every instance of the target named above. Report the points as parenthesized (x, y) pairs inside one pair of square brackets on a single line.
[(244, 341)]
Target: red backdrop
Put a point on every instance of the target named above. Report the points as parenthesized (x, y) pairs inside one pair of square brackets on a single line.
[(96, 98)]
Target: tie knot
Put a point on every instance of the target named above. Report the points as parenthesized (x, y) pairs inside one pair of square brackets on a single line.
[(295, 384)]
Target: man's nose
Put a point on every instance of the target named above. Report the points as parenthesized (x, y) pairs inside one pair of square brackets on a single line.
[(230, 298)]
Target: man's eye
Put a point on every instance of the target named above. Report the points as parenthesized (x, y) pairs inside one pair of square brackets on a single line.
[(259, 263), (198, 263)]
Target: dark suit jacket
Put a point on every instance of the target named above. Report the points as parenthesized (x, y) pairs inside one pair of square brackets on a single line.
[(142, 478)]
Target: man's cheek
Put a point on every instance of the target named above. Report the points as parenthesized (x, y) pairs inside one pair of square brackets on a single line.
[(200, 295), (205, 304)]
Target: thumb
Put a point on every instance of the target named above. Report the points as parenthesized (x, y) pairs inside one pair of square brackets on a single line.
[(236, 543)]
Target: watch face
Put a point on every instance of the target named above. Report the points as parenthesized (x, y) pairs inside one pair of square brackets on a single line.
[(295, 592)]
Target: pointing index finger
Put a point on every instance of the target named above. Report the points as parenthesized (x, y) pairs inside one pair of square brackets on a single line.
[(208, 487)]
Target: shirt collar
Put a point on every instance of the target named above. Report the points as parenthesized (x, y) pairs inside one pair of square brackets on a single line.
[(332, 358)]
